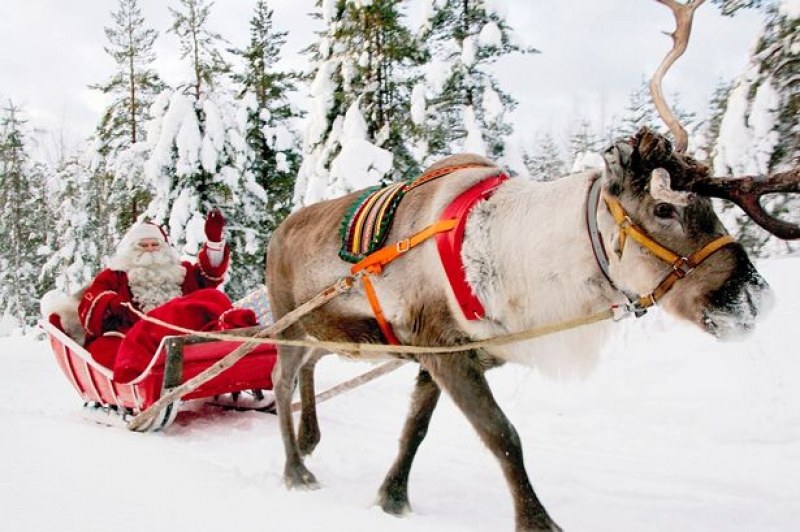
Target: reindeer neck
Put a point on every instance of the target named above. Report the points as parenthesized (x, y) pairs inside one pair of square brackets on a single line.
[(528, 256)]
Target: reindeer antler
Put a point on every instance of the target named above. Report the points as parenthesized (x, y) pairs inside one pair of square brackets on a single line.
[(684, 14), (746, 192)]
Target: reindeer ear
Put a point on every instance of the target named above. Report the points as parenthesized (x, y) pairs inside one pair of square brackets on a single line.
[(618, 160)]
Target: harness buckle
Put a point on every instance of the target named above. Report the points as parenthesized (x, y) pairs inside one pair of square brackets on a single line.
[(626, 310), (403, 246), (682, 267), (620, 312)]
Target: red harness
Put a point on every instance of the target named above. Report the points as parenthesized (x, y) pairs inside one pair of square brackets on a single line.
[(449, 233), (449, 244)]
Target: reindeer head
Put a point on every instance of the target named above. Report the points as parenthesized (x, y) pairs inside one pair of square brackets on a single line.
[(665, 195)]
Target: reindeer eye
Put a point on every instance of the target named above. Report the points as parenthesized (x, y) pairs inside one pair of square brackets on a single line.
[(664, 210)]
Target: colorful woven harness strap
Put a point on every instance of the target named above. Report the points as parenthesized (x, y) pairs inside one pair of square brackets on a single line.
[(369, 221)]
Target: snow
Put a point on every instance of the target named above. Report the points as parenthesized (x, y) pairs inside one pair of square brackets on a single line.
[(790, 8), (360, 164), (474, 142), (673, 431), (587, 160), (418, 104), (469, 51), (493, 106), (490, 35), (328, 10), (747, 137), (437, 71)]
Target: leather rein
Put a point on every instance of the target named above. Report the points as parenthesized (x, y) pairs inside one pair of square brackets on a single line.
[(681, 265)]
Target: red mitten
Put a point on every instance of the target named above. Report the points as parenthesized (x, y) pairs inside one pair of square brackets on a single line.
[(214, 224), (237, 318)]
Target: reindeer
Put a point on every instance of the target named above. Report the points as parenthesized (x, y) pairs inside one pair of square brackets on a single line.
[(638, 232)]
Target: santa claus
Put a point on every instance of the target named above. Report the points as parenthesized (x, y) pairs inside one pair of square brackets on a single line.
[(146, 272)]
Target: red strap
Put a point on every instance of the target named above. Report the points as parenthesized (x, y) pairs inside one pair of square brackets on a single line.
[(449, 244)]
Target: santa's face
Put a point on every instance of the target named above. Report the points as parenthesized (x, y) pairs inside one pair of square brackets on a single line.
[(154, 269), (148, 245)]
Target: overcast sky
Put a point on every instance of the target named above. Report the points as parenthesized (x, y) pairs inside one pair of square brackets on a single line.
[(595, 52)]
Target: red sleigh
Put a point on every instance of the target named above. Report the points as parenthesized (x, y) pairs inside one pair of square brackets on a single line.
[(177, 359)]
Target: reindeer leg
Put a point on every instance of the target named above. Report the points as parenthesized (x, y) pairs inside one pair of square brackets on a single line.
[(290, 360), (393, 493), (308, 434), (462, 377)]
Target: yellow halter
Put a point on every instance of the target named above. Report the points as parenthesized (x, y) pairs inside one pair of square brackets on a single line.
[(681, 266)]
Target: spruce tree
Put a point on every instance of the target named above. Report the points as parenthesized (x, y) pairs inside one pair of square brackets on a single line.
[(75, 259), (545, 162), (583, 147), (132, 88), (639, 112), (467, 110), (362, 70), (197, 158), (198, 45), (730, 7), (708, 129), (265, 90), (22, 225), (758, 133)]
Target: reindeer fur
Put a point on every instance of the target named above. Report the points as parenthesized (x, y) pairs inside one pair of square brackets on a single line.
[(527, 256)]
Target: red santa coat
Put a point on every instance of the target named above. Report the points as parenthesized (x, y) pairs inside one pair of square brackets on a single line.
[(203, 310), (104, 330)]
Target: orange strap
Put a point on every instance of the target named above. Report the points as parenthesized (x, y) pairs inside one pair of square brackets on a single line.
[(383, 323), (374, 263)]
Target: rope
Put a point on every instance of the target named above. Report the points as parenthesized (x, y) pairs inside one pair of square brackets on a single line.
[(141, 421), (500, 340), (263, 336)]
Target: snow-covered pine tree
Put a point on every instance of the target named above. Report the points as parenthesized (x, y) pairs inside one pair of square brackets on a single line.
[(708, 129), (360, 131), (265, 90), (730, 7), (639, 112), (198, 155), (584, 147), (759, 132), (117, 166), (76, 257), (24, 230), (544, 162), (467, 110), (199, 45)]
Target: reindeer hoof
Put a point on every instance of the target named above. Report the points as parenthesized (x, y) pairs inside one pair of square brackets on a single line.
[(299, 477), (541, 524), (395, 504)]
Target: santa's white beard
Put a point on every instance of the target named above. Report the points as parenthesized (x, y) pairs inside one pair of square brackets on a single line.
[(154, 277)]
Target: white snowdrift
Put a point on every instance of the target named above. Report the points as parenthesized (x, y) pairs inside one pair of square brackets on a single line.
[(674, 431)]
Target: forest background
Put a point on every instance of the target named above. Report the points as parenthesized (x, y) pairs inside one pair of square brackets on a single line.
[(371, 92)]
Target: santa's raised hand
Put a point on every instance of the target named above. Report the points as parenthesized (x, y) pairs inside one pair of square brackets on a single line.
[(215, 222)]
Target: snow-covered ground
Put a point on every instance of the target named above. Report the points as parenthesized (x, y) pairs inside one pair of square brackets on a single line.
[(673, 431)]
